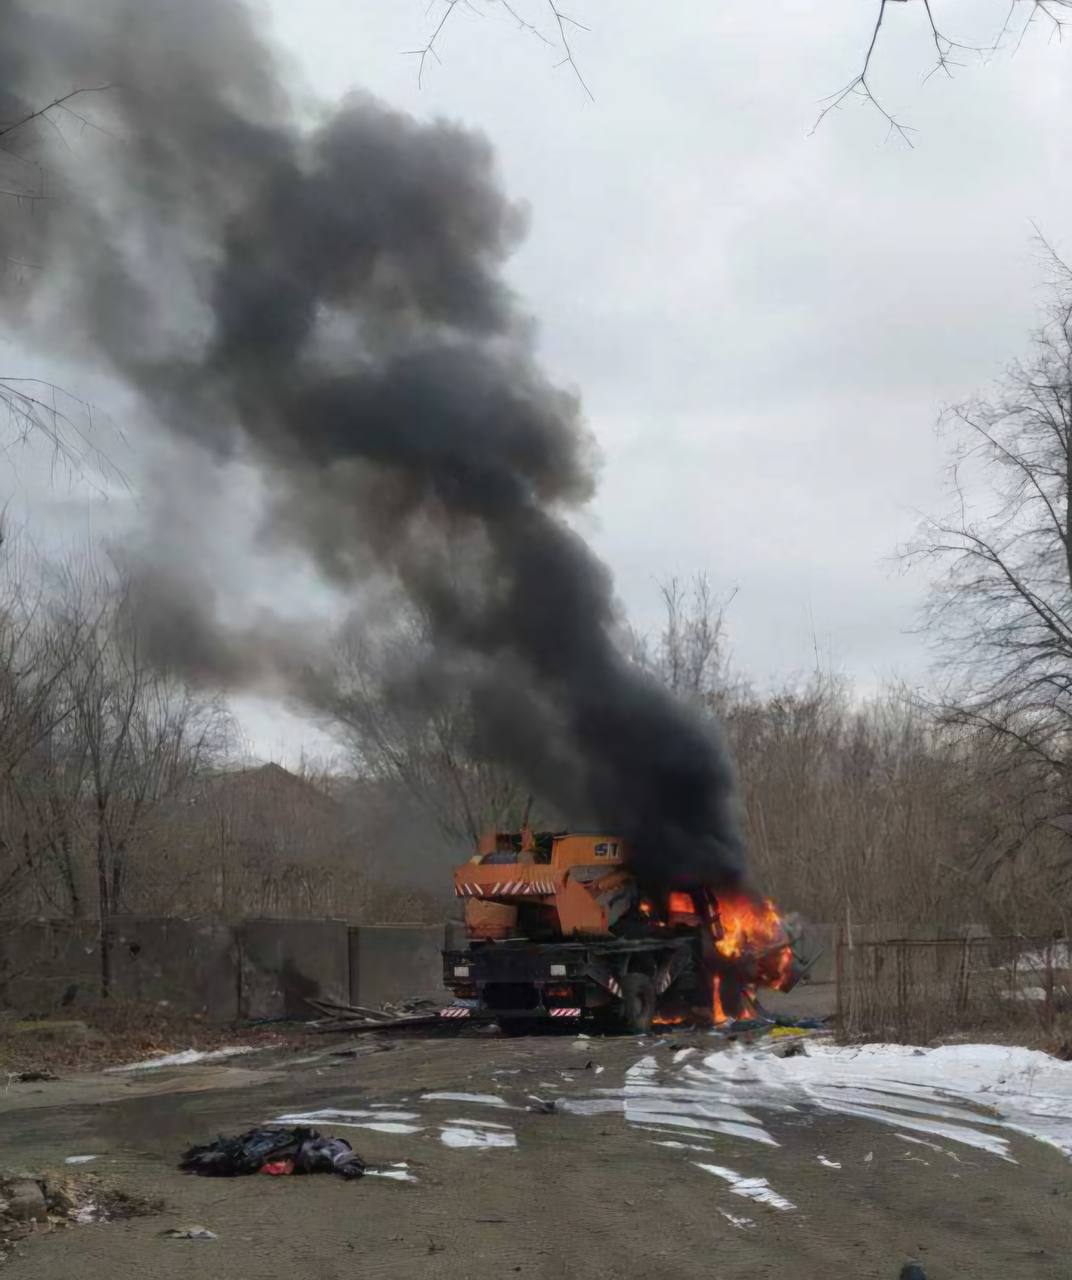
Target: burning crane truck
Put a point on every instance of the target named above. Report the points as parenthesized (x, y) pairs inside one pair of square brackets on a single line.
[(558, 931)]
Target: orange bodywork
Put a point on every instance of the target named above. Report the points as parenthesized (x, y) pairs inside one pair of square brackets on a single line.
[(576, 883)]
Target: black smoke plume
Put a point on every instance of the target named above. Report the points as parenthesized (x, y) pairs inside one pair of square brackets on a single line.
[(321, 290)]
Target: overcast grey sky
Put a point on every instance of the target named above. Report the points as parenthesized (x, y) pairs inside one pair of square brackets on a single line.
[(763, 321)]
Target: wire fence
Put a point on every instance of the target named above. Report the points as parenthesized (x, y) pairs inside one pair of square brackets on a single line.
[(913, 990)]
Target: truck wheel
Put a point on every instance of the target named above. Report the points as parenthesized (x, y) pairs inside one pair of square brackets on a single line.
[(638, 1003)]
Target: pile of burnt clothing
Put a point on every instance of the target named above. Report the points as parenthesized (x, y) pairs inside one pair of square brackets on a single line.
[(274, 1151)]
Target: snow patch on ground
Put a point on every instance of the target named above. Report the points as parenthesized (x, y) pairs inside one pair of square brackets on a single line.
[(378, 1121), (459, 1136), (966, 1094), (742, 1223), (828, 1163), (186, 1057), (484, 1099), (78, 1159), (396, 1172), (757, 1189)]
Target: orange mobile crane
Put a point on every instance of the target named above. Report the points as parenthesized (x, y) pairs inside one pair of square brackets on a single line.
[(557, 929)]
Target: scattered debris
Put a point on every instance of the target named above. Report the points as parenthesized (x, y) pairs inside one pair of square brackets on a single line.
[(189, 1233), (303, 1150), (30, 1204), (794, 1048), (335, 1016)]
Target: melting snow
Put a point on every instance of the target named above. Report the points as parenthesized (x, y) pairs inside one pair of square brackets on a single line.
[(484, 1099), (78, 1159), (963, 1093), (378, 1121), (476, 1124), (828, 1164), (757, 1189), (397, 1172), (743, 1223), (455, 1135), (187, 1056)]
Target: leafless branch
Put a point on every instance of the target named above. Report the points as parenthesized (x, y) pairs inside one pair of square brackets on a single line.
[(859, 86), (562, 22), (945, 48), (42, 112)]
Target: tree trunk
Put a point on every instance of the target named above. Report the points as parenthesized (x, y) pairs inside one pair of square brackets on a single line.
[(104, 916)]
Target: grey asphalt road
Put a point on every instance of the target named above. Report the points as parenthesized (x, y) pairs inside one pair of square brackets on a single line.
[(546, 1194)]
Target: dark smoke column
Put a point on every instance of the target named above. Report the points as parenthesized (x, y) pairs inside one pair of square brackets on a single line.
[(326, 297)]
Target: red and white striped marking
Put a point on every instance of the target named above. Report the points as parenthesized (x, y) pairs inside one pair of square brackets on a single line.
[(505, 888), (564, 1013), (454, 1011), (614, 986)]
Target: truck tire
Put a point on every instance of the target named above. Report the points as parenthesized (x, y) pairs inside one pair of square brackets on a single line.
[(638, 1003)]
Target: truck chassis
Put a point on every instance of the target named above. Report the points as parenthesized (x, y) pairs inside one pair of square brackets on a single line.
[(615, 983)]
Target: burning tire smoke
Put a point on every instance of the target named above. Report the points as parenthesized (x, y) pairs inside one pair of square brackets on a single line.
[(321, 291)]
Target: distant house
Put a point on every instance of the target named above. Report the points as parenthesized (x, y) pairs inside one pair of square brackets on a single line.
[(260, 839)]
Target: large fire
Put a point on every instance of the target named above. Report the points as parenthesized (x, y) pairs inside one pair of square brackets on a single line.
[(751, 944), (751, 936)]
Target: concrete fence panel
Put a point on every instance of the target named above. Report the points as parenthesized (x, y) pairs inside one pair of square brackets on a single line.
[(48, 964), (395, 962), (188, 965), (285, 961)]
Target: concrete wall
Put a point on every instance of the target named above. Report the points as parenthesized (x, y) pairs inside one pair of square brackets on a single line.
[(267, 968), (284, 961), (395, 961), (48, 964), (191, 965)]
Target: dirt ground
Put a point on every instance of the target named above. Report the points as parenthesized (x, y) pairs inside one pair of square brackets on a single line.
[(579, 1196)]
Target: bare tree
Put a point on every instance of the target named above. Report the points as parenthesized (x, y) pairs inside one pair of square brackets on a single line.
[(136, 735), (1000, 612), (689, 654), (405, 725)]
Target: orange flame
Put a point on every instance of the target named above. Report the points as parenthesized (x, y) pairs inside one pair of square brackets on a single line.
[(681, 904), (750, 932)]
